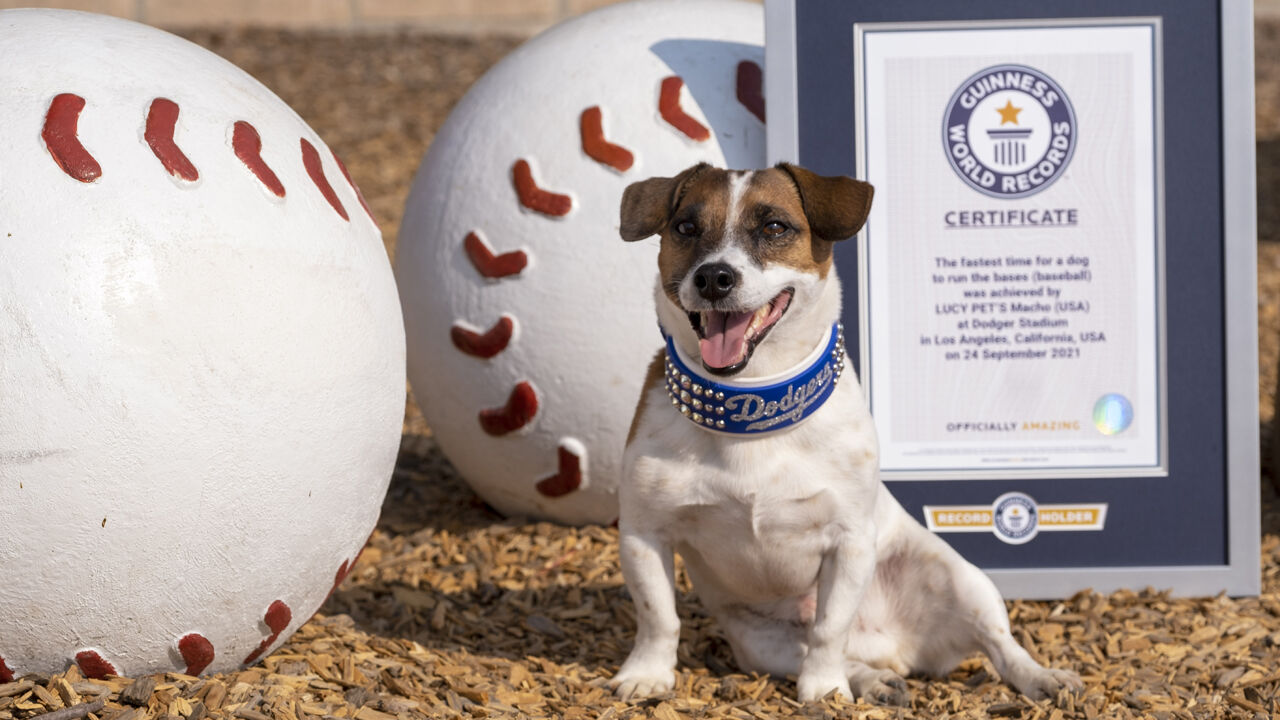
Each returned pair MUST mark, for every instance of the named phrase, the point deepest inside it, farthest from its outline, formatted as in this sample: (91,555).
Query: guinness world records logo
(1015,518)
(1009,131)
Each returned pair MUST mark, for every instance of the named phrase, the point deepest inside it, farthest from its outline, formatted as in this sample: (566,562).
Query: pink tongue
(725,338)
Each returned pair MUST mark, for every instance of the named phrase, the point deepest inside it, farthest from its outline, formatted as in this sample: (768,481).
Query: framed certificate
(1055,291)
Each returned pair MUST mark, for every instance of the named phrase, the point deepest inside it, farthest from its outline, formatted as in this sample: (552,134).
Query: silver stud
(720,410)
(719,395)
(710,422)
(697,417)
(684,409)
(685,397)
(697,404)
(719,424)
(697,389)
(675,402)
(685,381)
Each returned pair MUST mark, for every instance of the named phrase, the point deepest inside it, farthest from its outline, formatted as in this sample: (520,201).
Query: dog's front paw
(642,677)
(811,686)
(883,687)
(1042,682)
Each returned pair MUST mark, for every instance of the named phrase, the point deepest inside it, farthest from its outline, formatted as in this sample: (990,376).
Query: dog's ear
(836,206)
(648,204)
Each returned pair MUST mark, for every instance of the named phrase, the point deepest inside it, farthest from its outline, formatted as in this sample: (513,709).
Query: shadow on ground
(449,572)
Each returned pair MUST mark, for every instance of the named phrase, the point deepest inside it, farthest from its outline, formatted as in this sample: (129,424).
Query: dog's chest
(767,538)
(760,513)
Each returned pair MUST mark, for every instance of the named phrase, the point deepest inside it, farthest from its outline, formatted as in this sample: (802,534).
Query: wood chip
(15,688)
(138,693)
(66,692)
(74,712)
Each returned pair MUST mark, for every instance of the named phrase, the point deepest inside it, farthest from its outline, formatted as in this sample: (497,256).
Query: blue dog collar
(756,407)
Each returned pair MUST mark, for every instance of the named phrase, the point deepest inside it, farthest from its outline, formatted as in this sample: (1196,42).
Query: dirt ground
(453,611)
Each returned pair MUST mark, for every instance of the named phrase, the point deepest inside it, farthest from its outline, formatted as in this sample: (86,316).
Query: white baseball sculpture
(530,323)
(201,356)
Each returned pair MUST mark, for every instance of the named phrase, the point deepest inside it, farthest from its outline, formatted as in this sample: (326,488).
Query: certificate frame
(1208,46)
(1067,465)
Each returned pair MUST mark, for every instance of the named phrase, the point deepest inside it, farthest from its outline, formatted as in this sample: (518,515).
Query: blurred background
(516,17)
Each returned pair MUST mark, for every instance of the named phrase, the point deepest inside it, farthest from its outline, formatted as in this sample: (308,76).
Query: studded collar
(755,407)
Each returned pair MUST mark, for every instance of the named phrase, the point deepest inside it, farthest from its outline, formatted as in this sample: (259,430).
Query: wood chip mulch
(455,612)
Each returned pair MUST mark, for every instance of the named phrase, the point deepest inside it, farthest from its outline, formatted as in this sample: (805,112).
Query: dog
(774,501)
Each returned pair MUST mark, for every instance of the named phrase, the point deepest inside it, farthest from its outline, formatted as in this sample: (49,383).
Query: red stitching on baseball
(751,88)
(597,147)
(248,147)
(521,406)
(669,108)
(490,265)
(311,161)
(161,120)
(567,478)
(534,197)
(60,136)
(352,183)
(93,666)
(343,570)
(6,674)
(486,344)
(277,618)
(197,652)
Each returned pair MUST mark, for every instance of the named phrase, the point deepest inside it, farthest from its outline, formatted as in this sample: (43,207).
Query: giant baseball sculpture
(201,356)
(527,346)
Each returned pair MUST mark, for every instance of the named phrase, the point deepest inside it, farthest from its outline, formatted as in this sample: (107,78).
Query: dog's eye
(774,228)
(686,228)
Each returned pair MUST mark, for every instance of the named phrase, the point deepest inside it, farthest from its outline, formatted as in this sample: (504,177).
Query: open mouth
(726,339)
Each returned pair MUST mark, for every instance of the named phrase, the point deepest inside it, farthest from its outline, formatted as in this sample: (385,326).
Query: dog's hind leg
(980,603)
(877,685)
(777,647)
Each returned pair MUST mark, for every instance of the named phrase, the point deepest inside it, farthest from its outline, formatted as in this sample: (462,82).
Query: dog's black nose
(715,280)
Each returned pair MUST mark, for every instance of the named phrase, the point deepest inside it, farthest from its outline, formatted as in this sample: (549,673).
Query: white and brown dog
(774,501)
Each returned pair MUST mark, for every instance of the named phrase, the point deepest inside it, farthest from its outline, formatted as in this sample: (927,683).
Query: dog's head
(742,251)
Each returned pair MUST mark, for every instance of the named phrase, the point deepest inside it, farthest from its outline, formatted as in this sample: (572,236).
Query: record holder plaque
(1055,293)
